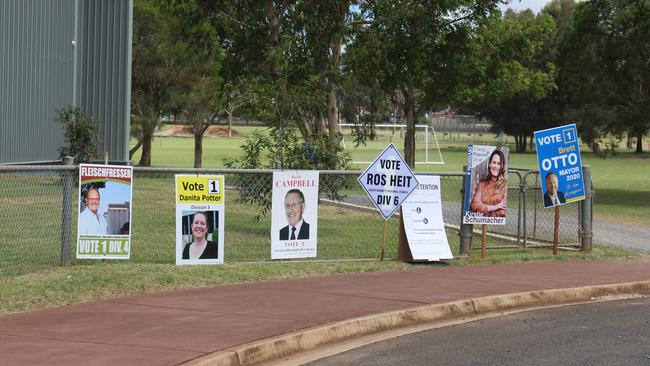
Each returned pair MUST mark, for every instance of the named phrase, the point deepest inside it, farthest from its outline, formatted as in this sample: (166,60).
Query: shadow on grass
(621,197)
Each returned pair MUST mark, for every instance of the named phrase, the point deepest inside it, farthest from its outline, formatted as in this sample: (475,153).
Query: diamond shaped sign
(388,181)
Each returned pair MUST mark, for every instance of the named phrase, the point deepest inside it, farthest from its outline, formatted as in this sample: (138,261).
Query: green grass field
(621,181)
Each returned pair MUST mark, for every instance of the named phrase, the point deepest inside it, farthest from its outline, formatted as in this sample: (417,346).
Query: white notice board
(423,221)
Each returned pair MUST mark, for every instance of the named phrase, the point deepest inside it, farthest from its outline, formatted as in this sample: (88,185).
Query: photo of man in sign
(294,207)
(553,197)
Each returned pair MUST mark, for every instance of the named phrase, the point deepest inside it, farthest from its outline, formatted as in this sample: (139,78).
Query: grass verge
(107,280)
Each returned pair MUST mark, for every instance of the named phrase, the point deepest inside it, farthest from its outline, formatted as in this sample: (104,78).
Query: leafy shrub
(81,139)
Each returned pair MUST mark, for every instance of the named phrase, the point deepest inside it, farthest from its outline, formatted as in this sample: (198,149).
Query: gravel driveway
(627,236)
(605,232)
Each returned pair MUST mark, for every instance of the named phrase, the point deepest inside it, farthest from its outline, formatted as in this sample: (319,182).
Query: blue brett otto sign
(560,166)
(388,181)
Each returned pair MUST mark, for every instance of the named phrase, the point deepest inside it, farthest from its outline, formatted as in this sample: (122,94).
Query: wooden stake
(383,242)
(105,157)
(484,242)
(556,229)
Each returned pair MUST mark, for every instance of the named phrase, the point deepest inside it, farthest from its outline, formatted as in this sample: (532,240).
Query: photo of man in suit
(553,197)
(294,207)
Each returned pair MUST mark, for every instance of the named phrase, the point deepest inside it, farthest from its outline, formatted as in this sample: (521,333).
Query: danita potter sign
(200,219)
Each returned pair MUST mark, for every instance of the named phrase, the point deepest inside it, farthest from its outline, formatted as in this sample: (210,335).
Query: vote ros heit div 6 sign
(388,181)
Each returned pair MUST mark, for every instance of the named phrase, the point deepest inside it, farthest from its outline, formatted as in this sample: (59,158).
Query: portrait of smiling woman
(200,247)
(491,195)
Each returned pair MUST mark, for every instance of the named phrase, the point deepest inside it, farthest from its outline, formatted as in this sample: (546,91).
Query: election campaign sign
(104,224)
(199,219)
(388,181)
(294,219)
(560,166)
(423,222)
(486,186)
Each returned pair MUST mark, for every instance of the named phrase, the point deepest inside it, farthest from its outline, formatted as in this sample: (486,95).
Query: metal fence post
(66,214)
(465,229)
(521,207)
(524,217)
(586,209)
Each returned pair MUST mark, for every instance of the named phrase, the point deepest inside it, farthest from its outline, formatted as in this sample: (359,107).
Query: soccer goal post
(426,142)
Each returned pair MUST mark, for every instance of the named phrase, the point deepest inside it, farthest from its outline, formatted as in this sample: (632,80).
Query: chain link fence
(34,205)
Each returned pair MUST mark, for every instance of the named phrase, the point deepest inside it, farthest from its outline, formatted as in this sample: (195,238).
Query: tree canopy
(300,66)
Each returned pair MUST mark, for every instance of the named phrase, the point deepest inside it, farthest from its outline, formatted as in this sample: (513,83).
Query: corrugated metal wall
(39,65)
(104,82)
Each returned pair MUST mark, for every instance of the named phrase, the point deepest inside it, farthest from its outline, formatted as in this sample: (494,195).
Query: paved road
(171,328)
(609,333)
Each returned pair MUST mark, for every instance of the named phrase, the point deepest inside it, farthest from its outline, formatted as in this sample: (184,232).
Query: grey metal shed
(56,53)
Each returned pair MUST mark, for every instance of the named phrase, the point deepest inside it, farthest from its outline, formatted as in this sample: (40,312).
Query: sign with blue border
(388,181)
(560,165)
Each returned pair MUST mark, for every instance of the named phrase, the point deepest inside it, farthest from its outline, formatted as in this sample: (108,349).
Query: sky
(518,5)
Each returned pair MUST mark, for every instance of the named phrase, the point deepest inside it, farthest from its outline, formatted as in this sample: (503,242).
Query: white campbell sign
(388,181)
(294,220)
(423,221)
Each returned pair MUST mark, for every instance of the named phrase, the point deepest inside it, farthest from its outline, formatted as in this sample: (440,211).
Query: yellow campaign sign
(201,189)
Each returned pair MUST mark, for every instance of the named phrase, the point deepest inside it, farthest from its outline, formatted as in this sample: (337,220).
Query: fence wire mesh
(33,200)
(31,206)
(540,221)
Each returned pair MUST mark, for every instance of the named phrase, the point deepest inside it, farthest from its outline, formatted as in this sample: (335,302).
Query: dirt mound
(186,131)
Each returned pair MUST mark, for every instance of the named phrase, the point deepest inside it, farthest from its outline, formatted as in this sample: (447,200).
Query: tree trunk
(145,159)
(639,143)
(332,115)
(198,148)
(629,141)
(409,138)
(332,106)
(517,143)
(135,149)
(229,124)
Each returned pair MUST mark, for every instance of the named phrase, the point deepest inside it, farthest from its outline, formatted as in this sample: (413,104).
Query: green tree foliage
(81,139)
(154,70)
(266,151)
(196,95)
(414,52)
(175,69)
(513,74)
(607,68)
(278,58)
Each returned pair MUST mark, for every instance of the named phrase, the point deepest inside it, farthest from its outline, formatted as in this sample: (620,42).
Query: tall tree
(153,68)
(512,74)
(414,51)
(607,65)
(162,62)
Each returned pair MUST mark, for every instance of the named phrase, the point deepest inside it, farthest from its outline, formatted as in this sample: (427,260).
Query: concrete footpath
(249,323)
